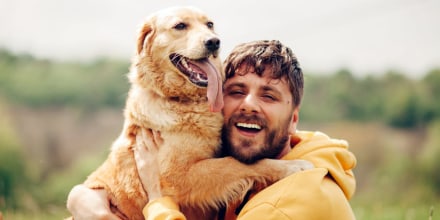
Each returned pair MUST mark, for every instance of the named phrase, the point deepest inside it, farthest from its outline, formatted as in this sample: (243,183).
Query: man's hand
(145,154)
(294,166)
(85,203)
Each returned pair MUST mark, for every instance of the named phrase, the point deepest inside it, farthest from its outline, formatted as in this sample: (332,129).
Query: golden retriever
(176,89)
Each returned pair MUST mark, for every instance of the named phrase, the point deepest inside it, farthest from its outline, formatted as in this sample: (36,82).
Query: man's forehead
(252,78)
(245,69)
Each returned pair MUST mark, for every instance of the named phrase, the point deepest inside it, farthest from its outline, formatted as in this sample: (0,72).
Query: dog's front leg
(218,181)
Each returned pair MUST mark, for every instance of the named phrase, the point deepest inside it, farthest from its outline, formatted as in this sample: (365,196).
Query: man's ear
(294,122)
(145,33)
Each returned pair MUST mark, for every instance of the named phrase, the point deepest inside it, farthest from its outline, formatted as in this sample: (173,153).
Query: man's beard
(274,142)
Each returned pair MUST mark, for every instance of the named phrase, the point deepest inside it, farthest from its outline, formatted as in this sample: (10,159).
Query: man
(262,96)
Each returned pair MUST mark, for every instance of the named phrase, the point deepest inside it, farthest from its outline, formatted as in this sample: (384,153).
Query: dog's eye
(180,26)
(210,24)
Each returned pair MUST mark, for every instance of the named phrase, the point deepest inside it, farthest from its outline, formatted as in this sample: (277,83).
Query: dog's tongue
(215,90)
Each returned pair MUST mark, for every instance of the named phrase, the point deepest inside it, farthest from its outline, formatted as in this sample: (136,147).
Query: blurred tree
(428,160)
(392,98)
(431,95)
(401,101)
(404,110)
(41,83)
(13,177)
(371,100)
(316,104)
(349,95)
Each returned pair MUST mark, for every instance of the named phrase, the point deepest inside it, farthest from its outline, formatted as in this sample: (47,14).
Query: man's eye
(235,92)
(180,26)
(269,97)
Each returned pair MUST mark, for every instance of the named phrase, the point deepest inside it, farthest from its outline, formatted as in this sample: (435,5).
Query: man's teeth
(245,125)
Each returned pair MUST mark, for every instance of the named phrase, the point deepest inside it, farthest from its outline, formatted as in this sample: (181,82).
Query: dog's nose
(212,44)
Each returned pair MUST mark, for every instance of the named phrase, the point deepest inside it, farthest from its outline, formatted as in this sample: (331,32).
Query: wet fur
(162,99)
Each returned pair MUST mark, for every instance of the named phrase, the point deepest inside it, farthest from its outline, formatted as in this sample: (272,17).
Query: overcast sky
(365,36)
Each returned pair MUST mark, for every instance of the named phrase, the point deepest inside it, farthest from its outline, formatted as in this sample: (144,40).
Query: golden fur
(162,98)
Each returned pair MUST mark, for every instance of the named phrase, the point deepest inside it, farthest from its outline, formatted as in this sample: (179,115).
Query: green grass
(378,211)
(53,213)
(373,211)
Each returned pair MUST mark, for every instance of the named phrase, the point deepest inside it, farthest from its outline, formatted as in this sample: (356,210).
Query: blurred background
(372,77)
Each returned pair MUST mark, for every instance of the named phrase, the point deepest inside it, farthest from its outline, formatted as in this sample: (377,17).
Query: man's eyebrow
(236,84)
(270,89)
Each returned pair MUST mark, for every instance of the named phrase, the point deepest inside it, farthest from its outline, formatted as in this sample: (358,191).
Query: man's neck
(285,151)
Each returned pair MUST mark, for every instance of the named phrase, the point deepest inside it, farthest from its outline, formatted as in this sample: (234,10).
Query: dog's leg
(218,181)
(119,177)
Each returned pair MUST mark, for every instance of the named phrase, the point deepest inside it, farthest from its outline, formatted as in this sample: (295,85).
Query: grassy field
(420,212)
(371,211)
(390,184)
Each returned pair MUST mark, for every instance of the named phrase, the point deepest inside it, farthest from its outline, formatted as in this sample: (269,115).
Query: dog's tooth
(200,78)
(185,64)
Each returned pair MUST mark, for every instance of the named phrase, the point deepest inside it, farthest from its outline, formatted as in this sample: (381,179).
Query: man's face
(258,116)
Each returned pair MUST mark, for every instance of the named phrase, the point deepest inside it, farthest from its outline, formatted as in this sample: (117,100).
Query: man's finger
(85,203)
(157,138)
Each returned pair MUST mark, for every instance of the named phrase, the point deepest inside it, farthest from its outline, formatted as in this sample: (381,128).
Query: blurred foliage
(400,102)
(13,178)
(405,185)
(391,97)
(429,163)
(23,194)
(29,81)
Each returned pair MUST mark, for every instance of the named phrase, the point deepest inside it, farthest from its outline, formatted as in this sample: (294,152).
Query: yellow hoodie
(319,193)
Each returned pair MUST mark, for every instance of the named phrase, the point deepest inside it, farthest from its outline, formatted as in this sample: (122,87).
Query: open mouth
(248,127)
(195,70)
(203,73)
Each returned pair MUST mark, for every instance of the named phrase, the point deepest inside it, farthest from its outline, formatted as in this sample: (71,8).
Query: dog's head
(177,56)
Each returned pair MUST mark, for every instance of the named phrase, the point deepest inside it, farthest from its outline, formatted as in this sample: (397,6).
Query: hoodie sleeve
(331,154)
(163,208)
(319,193)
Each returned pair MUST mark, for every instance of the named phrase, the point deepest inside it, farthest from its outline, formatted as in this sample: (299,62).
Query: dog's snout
(212,44)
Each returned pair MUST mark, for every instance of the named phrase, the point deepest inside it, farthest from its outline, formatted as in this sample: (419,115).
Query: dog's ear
(145,32)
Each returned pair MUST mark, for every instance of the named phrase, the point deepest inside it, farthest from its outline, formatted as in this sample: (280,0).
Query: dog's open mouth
(203,73)
(196,70)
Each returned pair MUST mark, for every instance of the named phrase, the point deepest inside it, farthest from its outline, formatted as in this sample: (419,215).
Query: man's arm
(310,194)
(331,154)
(163,208)
(158,207)
(85,203)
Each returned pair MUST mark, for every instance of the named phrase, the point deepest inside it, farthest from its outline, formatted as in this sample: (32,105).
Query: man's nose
(250,104)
